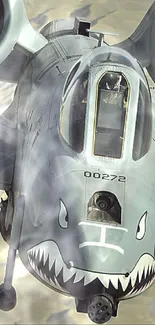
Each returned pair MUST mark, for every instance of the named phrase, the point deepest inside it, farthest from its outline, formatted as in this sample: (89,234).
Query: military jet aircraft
(77,155)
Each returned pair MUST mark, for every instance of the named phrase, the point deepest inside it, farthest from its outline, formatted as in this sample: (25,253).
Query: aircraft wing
(141,44)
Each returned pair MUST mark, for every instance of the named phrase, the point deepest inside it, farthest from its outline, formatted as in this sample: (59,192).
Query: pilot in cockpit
(114,82)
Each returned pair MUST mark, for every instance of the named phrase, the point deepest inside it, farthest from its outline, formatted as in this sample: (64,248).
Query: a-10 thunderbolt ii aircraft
(77,157)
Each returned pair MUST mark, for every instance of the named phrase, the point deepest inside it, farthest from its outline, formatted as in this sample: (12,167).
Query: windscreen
(112,103)
(110,109)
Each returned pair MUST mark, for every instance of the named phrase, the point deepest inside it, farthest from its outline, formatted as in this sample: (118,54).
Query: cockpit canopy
(111,109)
(112,105)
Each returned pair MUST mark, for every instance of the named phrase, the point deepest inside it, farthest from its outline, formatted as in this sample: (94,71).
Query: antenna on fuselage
(101,35)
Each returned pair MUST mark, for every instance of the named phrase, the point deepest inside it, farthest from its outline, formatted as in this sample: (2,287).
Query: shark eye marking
(63,216)
(141,228)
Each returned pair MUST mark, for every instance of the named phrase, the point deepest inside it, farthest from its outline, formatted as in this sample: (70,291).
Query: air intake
(20,31)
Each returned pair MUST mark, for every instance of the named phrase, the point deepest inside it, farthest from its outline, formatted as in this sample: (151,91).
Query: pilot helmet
(111,80)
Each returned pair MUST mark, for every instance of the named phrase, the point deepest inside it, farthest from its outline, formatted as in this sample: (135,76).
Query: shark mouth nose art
(46,261)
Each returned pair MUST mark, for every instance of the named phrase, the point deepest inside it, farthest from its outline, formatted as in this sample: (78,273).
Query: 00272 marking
(105,177)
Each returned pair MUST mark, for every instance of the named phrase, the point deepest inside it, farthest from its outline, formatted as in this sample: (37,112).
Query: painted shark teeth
(39,272)
(58,266)
(46,278)
(46,257)
(105,280)
(125,284)
(51,282)
(114,282)
(51,261)
(150,268)
(89,277)
(78,276)
(57,284)
(68,273)
(32,264)
(146,270)
(140,273)
(133,279)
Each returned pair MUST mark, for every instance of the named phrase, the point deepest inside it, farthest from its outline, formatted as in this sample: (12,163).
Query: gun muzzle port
(100,309)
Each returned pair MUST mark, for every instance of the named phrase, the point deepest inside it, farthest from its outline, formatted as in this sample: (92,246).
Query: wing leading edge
(141,44)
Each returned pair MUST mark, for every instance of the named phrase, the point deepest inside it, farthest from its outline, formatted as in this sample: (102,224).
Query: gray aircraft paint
(57,243)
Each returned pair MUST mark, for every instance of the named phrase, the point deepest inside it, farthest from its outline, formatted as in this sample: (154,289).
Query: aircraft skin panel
(37,119)
(12,66)
(77,210)
(57,28)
